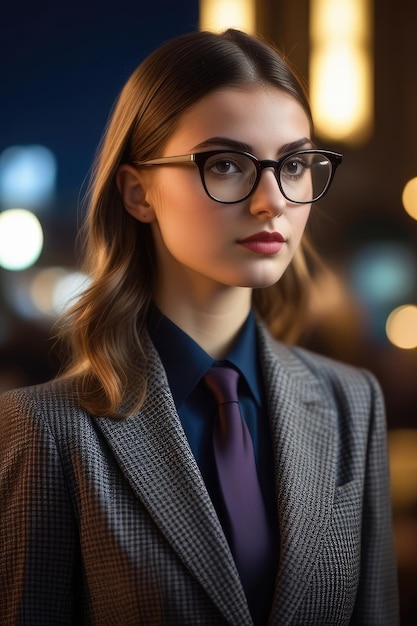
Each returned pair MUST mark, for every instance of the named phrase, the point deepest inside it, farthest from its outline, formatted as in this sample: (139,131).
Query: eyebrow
(296,145)
(304,142)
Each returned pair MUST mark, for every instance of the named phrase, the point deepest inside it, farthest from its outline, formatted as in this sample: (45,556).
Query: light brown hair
(107,326)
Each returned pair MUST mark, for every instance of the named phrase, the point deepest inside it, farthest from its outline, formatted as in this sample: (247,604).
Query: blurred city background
(62,66)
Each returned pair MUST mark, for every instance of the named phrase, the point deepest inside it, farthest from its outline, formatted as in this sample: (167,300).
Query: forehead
(264,117)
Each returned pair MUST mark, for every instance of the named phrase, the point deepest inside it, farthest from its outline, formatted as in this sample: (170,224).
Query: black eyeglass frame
(200,158)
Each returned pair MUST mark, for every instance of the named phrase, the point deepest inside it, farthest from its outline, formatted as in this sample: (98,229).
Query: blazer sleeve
(38,536)
(377,597)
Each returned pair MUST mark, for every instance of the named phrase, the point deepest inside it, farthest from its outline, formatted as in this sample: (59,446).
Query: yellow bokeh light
(339,19)
(340,89)
(409,198)
(341,69)
(21,239)
(403,466)
(401,327)
(219,15)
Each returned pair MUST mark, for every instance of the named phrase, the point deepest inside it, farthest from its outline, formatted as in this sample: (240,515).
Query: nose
(267,199)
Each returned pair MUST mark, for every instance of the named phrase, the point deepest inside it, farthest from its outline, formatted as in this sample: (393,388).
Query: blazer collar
(153,452)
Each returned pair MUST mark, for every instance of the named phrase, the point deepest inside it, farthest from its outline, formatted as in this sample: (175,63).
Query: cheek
(182,207)
(184,224)
(177,185)
(299,223)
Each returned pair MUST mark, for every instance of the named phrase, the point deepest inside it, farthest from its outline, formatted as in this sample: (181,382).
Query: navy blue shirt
(185,363)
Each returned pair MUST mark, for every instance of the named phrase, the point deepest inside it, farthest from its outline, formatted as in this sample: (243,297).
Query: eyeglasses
(230,176)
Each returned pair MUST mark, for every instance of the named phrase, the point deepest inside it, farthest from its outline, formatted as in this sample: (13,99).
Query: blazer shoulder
(53,402)
(301,361)
(338,382)
(52,391)
(347,385)
(332,370)
(329,367)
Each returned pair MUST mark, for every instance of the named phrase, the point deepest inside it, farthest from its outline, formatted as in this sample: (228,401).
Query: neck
(212,319)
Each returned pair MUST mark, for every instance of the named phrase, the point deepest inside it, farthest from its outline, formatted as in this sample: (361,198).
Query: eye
(226,167)
(294,167)
(224,164)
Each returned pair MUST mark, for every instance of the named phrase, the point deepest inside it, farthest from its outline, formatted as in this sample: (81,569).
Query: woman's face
(203,244)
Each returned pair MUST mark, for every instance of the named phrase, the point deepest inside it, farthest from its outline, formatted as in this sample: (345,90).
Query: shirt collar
(170,341)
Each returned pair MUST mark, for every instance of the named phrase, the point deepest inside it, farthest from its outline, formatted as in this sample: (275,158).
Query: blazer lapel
(154,454)
(304,441)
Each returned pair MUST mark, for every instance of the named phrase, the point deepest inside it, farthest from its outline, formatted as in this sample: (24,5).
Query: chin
(259,284)
(253,278)
(262,275)
(266,280)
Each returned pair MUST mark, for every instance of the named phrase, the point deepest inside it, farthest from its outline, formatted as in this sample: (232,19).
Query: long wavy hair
(106,328)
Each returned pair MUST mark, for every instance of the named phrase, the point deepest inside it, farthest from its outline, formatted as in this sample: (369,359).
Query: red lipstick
(264,242)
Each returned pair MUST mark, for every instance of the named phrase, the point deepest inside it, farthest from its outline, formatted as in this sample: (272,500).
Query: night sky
(62,66)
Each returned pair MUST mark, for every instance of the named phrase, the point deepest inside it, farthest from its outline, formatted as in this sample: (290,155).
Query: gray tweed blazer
(108,522)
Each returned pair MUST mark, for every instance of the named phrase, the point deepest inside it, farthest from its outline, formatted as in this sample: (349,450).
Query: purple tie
(238,479)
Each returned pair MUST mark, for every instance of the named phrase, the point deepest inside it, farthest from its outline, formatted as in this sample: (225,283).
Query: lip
(263,242)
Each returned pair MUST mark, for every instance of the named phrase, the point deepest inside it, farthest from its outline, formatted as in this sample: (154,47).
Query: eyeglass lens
(230,176)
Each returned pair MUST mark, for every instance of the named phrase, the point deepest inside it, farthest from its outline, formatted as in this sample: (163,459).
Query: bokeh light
(383,273)
(401,327)
(68,289)
(221,14)
(27,177)
(42,289)
(55,288)
(21,239)
(403,466)
(43,293)
(409,198)
(341,69)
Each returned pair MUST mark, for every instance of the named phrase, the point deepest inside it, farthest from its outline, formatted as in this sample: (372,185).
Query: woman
(117,507)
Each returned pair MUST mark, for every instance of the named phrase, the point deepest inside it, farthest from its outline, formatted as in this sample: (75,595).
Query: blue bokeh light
(383,274)
(27,177)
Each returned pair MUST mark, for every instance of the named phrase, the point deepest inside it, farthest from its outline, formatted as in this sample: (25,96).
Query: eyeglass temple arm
(184,158)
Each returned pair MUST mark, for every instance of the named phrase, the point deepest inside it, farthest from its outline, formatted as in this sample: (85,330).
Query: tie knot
(222,382)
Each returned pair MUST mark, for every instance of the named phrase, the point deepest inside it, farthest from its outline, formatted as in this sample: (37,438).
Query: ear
(133,191)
